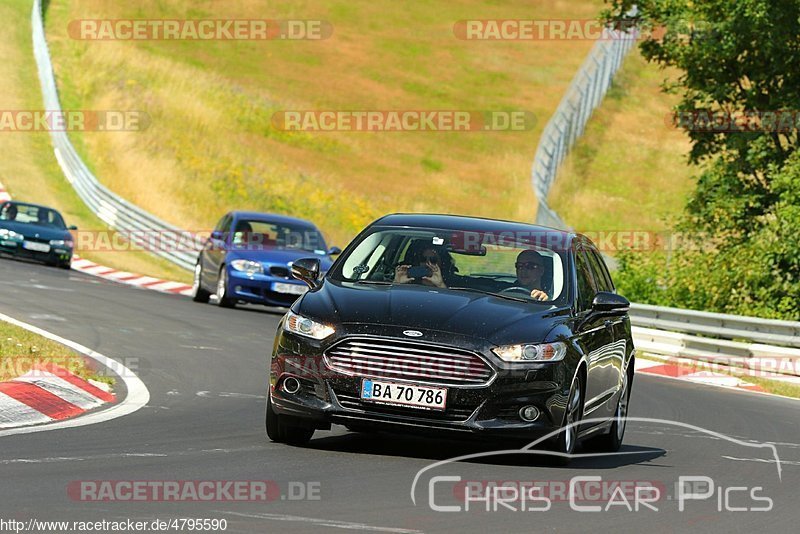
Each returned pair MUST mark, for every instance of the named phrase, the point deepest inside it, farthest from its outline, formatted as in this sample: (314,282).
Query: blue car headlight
(9,234)
(248,266)
(303,326)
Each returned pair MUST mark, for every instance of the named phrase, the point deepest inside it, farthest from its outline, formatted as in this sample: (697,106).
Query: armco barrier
(567,124)
(108,206)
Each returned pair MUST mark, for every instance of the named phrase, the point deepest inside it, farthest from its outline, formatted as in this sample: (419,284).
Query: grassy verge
(28,168)
(211,146)
(776,387)
(628,172)
(20,349)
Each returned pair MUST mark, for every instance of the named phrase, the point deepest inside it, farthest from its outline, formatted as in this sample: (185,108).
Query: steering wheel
(517,289)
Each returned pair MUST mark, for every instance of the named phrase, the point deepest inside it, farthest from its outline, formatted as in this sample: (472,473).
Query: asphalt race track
(206,371)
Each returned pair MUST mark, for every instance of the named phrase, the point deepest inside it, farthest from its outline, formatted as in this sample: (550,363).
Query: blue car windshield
(257,235)
(28,214)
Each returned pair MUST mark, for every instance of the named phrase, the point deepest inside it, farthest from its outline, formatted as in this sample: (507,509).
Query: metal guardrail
(733,340)
(112,209)
(736,327)
(567,124)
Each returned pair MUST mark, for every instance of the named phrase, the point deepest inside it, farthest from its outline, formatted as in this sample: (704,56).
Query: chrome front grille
(414,361)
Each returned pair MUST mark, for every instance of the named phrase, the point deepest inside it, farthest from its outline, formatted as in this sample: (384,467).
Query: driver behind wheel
(531,268)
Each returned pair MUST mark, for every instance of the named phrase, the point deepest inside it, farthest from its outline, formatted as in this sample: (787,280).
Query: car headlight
(543,352)
(62,243)
(303,326)
(8,234)
(248,266)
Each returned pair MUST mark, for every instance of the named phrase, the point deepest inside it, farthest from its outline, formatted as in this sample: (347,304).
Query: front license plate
(36,247)
(292,289)
(403,394)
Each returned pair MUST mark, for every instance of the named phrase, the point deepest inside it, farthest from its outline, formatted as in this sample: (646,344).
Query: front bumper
(492,410)
(56,254)
(260,288)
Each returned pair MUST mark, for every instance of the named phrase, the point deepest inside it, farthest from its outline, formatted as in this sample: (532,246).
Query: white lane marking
(48,317)
(57,459)
(61,388)
(761,460)
(14,413)
(79,458)
(137,396)
(198,347)
(333,523)
(225,394)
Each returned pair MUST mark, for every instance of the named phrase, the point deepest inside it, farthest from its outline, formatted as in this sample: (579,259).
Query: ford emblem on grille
(412,333)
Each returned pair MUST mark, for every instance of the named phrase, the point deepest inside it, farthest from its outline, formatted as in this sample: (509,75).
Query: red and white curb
(48,393)
(137,280)
(50,398)
(692,374)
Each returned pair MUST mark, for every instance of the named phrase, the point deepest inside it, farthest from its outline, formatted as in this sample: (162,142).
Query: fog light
(291,385)
(529,413)
(238,289)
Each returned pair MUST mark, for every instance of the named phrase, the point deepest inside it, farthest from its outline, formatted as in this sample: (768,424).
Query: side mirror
(334,251)
(73,227)
(216,235)
(607,302)
(307,270)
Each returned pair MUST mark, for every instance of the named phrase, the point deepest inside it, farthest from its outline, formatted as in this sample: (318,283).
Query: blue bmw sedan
(249,255)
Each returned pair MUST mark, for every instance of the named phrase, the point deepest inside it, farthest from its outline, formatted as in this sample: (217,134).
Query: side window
(600,271)
(586,285)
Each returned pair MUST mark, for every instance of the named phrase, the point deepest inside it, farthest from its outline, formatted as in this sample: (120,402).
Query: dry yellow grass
(629,171)
(28,168)
(210,147)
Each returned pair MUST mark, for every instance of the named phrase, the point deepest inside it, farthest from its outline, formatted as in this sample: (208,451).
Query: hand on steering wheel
(535,294)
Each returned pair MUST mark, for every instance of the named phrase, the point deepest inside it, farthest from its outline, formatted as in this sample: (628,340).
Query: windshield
(27,214)
(258,234)
(504,265)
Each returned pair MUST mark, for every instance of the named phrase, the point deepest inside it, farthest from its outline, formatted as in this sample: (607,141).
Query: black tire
(568,440)
(612,441)
(67,265)
(222,290)
(286,429)
(200,294)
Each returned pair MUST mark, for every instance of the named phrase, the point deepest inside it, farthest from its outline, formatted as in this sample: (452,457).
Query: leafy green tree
(735,58)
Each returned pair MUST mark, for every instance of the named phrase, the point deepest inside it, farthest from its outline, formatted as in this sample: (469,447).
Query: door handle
(608,323)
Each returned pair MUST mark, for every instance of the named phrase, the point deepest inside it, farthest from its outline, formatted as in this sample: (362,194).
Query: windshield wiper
(509,297)
(373,282)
